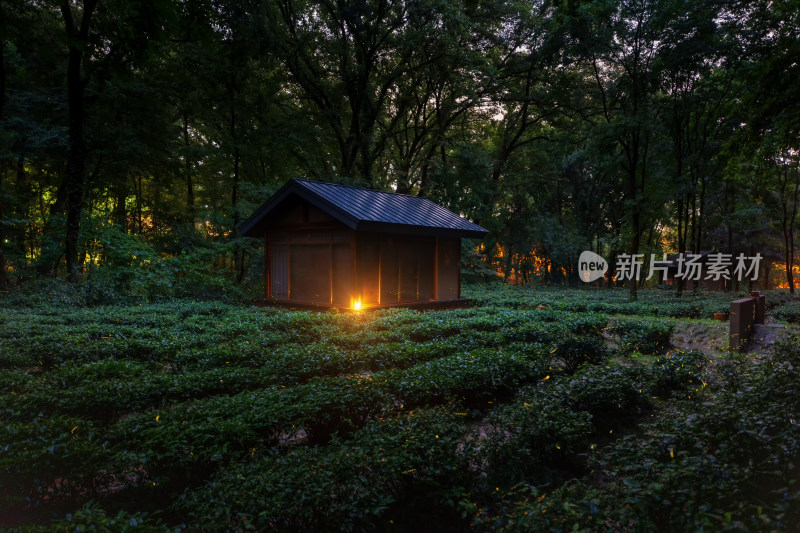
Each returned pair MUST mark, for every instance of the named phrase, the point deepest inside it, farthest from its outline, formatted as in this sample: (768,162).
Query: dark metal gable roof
(367,210)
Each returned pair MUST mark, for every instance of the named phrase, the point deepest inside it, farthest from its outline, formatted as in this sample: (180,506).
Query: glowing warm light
(357,304)
(780,270)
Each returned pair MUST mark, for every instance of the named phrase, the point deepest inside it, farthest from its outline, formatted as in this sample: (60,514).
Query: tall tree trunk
(24,198)
(238,253)
(730,207)
(699,222)
(187,168)
(50,252)
(3,276)
(139,193)
(681,242)
(790,259)
(788,217)
(631,196)
(636,225)
(75,177)
(119,214)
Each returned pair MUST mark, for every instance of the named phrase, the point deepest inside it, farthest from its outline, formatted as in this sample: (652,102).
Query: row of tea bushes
(403,469)
(651,302)
(432,467)
(637,335)
(185,333)
(721,461)
(222,462)
(186,440)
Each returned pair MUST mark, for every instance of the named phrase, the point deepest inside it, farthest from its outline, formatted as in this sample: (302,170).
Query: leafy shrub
(212,400)
(399,469)
(643,336)
(92,517)
(613,395)
(49,457)
(575,351)
(677,371)
(191,439)
(475,377)
(788,312)
(723,463)
(533,440)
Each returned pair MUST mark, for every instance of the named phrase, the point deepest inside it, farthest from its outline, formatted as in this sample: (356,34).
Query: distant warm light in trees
(780,269)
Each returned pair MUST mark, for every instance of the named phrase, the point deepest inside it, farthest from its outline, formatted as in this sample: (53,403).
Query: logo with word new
(687,266)
(591,266)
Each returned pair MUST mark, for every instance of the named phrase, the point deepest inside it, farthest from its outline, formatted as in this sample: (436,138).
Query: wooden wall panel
(368,266)
(449,269)
(309,273)
(390,272)
(279,271)
(342,290)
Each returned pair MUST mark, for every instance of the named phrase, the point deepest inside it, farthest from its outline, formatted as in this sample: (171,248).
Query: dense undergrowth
(215,416)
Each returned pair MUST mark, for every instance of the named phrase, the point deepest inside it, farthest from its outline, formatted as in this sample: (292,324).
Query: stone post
(742,315)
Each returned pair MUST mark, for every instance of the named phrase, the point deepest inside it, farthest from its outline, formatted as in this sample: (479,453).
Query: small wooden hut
(334,245)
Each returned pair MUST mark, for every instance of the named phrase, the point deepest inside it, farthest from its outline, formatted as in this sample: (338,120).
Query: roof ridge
(368,190)
(369,210)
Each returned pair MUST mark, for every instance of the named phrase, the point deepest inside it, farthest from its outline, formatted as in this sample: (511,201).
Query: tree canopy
(135,137)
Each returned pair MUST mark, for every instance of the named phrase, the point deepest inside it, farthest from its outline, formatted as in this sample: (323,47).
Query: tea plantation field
(207,416)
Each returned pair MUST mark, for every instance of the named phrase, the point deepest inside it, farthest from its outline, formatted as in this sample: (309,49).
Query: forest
(136,136)
(147,386)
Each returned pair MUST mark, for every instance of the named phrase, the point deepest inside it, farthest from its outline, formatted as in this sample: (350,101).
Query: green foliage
(578,350)
(717,463)
(788,312)
(92,517)
(642,336)
(535,440)
(474,377)
(49,457)
(614,396)
(185,412)
(650,303)
(679,371)
(404,466)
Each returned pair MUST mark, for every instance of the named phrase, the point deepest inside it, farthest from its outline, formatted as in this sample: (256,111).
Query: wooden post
(289,270)
(399,271)
(741,328)
(436,269)
(267,267)
(417,298)
(760,307)
(355,290)
(458,268)
(379,272)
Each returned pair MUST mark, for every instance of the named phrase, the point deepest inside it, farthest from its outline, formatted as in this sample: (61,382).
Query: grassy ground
(591,415)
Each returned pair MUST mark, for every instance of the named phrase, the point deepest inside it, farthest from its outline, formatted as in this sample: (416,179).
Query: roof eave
(249,227)
(409,229)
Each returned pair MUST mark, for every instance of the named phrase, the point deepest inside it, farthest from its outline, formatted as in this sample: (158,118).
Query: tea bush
(49,458)
(718,461)
(787,312)
(575,351)
(535,441)
(92,517)
(395,469)
(474,377)
(643,336)
(172,415)
(679,371)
